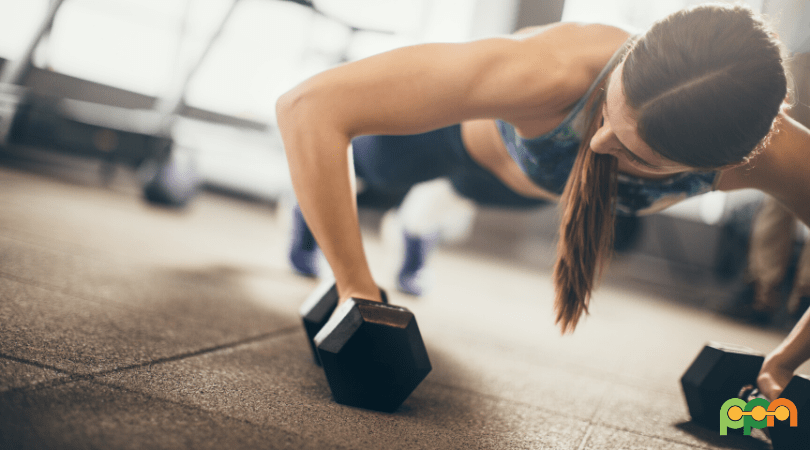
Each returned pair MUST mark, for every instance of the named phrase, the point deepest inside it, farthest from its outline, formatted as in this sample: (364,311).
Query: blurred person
(587,115)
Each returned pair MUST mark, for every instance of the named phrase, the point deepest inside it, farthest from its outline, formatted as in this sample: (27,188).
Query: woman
(583,113)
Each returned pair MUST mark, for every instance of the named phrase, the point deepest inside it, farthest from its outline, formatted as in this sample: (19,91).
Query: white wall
(267,46)
(791,18)
(632,14)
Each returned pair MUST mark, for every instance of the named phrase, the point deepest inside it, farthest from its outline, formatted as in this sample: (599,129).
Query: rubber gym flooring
(128,326)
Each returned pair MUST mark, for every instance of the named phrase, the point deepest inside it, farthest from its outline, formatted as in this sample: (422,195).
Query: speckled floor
(128,326)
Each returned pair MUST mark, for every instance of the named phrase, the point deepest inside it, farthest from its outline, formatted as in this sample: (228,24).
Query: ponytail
(586,229)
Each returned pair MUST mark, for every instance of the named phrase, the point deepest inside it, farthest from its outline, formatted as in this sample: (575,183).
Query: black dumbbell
(783,436)
(721,372)
(372,353)
(318,308)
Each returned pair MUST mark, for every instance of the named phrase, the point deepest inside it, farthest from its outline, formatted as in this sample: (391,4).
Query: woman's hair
(705,84)
(586,228)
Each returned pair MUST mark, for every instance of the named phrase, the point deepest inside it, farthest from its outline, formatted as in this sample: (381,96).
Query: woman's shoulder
(575,31)
(786,153)
(584,45)
(573,54)
(780,169)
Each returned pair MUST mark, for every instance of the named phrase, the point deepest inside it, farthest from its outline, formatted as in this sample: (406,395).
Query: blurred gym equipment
(140,139)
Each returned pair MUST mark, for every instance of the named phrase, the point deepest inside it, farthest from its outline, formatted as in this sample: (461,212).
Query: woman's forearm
(323,180)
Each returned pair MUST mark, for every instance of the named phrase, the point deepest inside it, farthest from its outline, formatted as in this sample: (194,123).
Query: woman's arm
(780,364)
(405,91)
(783,171)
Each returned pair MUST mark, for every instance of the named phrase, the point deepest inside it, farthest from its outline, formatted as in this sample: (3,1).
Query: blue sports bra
(548,160)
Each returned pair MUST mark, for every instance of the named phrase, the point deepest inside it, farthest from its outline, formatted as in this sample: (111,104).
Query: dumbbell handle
(750,392)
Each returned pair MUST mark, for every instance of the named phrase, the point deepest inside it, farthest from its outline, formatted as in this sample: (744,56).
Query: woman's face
(618,135)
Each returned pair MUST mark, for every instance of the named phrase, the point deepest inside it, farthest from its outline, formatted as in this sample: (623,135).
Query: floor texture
(128,326)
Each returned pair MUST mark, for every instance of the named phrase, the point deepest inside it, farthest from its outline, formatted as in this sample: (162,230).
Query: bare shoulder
(576,33)
(574,53)
(581,45)
(782,169)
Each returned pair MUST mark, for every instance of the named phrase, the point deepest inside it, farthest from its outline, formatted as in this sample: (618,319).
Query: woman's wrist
(360,287)
(795,349)
(780,359)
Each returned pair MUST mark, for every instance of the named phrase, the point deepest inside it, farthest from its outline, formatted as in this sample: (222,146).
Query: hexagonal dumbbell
(372,353)
(318,308)
(719,373)
(783,436)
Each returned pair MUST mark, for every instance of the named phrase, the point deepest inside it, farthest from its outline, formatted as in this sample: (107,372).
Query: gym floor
(128,326)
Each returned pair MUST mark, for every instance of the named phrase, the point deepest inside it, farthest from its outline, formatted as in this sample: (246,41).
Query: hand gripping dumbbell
(721,372)
(318,308)
(372,353)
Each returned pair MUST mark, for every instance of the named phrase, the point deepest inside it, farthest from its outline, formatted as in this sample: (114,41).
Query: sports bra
(548,159)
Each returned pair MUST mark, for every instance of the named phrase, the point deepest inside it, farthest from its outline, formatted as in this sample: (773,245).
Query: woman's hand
(773,377)
(779,365)
(373,295)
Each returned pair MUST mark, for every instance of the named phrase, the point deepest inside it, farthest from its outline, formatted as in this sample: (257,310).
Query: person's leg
(386,168)
(431,213)
(443,210)
(303,252)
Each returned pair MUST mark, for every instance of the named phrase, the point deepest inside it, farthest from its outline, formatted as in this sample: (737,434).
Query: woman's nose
(603,141)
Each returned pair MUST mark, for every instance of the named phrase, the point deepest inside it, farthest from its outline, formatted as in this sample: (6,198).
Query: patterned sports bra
(548,160)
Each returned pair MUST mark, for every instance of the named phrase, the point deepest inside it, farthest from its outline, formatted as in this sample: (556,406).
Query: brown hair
(586,229)
(706,84)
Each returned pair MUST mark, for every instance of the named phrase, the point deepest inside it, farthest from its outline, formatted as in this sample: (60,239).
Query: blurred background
(179,96)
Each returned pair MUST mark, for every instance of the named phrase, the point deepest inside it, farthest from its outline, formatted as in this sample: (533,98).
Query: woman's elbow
(286,106)
(304,105)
